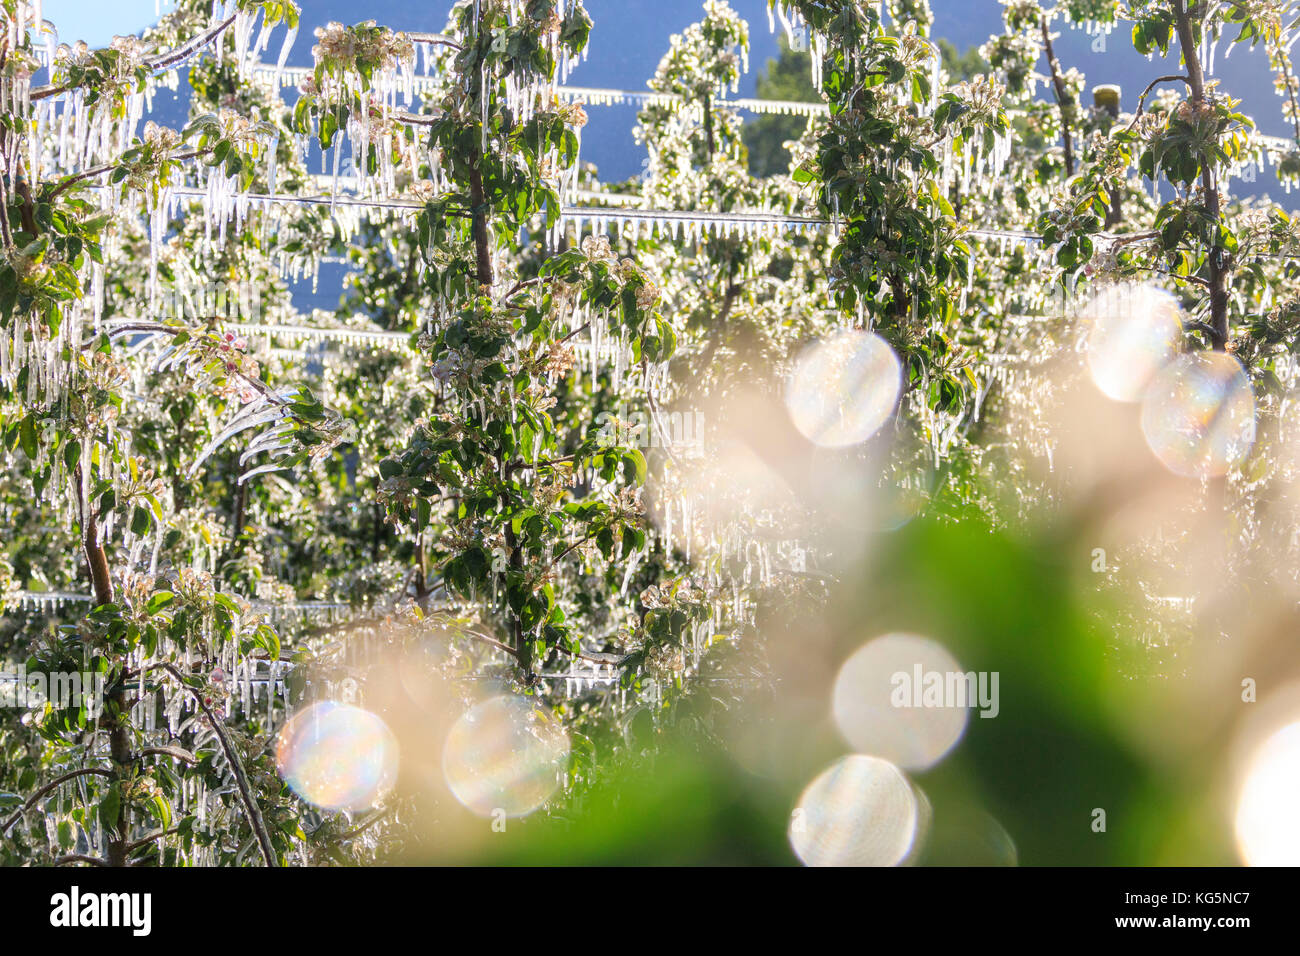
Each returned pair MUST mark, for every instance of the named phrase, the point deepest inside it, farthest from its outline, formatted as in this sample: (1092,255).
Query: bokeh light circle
(1133,334)
(966,836)
(843,388)
(505,755)
(869,489)
(336,756)
(894,669)
(1268,804)
(861,811)
(1198,415)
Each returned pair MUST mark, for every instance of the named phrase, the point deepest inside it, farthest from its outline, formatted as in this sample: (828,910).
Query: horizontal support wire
(349,335)
(606,96)
(593,214)
(280,77)
(591,95)
(39,598)
(373,336)
(28,600)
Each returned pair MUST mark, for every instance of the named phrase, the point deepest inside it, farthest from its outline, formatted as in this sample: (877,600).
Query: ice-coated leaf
(259,470)
(241,423)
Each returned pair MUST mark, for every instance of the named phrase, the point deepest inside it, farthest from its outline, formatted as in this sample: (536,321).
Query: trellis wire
(758,221)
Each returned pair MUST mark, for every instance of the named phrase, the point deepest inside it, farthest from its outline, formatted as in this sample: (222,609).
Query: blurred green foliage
(1058,750)
(784,78)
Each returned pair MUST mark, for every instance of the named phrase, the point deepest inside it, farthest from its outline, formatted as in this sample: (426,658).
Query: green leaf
(140,520)
(268,641)
(634,457)
(162,810)
(27,436)
(110,806)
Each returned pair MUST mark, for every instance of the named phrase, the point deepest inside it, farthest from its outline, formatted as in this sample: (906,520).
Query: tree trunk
(482,239)
(708,126)
(479,208)
(241,505)
(1217,259)
(1058,84)
(115,709)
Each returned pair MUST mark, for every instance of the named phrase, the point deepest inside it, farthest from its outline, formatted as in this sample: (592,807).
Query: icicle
(285,47)
(484,97)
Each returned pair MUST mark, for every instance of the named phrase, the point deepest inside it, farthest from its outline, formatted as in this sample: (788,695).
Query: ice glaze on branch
(155,64)
(236,768)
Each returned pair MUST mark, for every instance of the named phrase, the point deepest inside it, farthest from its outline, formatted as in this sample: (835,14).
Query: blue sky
(630,36)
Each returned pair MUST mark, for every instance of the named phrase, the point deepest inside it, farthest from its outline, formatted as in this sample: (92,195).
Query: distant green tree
(961,66)
(787,78)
